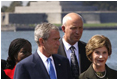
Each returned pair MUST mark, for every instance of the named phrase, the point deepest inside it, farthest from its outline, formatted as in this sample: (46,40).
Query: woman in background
(98,49)
(18,50)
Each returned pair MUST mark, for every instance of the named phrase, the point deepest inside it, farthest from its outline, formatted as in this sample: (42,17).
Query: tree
(13,5)
(28,4)
(4,8)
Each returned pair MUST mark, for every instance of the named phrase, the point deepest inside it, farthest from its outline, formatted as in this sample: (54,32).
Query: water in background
(7,37)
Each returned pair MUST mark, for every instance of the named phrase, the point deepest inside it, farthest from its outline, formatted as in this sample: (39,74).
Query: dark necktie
(74,64)
(51,69)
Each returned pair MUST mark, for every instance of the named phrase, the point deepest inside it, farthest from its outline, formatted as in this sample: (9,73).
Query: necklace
(100,74)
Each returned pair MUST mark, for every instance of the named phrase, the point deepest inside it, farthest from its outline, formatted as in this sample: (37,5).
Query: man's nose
(58,42)
(77,31)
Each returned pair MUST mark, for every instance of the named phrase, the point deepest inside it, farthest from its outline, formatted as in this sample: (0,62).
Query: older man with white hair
(71,46)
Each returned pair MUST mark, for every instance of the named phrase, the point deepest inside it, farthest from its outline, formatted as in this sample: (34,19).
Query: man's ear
(63,28)
(41,41)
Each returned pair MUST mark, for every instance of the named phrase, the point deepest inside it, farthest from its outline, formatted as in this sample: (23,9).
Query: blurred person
(3,64)
(19,49)
(98,49)
(45,63)
(71,46)
(3,75)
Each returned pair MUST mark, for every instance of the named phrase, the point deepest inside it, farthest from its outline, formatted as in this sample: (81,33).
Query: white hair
(65,19)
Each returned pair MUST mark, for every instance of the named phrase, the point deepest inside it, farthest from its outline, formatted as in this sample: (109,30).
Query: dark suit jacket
(32,67)
(84,62)
(90,74)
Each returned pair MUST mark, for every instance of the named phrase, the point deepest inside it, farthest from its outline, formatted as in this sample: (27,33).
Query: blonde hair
(97,41)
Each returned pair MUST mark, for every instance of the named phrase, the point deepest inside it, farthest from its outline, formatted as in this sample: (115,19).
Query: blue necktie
(51,69)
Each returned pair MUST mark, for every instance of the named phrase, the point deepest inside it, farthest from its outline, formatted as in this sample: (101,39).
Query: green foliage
(102,5)
(16,3)
(4,8)
(95,25)
(58,25)
(12,6)
(28,4)
(101,25)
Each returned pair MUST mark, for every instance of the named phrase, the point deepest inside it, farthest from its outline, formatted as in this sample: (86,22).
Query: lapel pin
(59,64)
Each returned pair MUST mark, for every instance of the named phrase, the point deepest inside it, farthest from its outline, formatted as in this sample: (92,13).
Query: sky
(7,3)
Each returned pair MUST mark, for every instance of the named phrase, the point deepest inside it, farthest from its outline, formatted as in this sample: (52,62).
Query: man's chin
(76,40)
(55,52)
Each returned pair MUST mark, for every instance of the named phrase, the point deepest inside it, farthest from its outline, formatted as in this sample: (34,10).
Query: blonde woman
(98,49)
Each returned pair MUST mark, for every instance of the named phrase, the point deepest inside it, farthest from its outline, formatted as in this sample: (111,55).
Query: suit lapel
(80,50)
(79,54)
(90,73)
(61,49)
(39,67)
(57,66)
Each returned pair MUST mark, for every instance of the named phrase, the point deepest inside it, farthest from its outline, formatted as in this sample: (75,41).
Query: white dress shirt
(44,59)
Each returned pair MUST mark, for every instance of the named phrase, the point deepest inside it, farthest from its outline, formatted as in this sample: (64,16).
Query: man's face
(73,31)
(51,45)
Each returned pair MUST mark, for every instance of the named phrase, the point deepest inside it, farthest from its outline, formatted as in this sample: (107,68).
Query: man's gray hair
(43,30)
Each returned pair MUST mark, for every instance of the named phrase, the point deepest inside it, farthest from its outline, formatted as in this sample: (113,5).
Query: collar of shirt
(67,45)
(44,59)
(68,51)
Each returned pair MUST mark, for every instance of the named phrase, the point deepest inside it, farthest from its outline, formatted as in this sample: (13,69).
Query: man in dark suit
(44,62)
(73,28)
